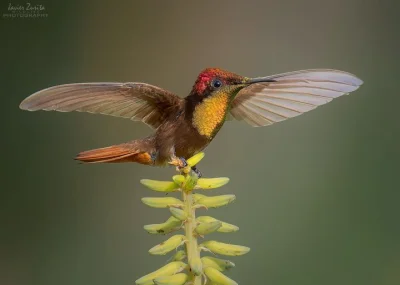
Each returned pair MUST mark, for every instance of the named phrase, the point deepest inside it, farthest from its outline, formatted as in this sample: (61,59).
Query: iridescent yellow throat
(209,115)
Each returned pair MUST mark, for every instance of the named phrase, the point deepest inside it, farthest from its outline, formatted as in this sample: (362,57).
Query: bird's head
(215,81)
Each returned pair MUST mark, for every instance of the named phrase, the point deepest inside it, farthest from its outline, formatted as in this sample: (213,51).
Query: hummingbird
(186,126)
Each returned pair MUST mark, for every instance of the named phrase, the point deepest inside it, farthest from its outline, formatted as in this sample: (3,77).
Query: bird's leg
(179,162)
(182,165)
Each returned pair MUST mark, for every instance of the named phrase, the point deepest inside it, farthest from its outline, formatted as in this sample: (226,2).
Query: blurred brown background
(317,196)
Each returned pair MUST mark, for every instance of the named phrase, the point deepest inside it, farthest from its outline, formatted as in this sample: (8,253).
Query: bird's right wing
(135,101)
(290,94)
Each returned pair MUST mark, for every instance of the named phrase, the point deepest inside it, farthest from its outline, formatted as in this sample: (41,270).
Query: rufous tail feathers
(115,153)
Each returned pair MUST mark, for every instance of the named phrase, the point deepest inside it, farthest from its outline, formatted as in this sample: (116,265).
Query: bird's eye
(216,83)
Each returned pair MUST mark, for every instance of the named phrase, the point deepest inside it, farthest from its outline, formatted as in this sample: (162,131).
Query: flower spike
(198,270)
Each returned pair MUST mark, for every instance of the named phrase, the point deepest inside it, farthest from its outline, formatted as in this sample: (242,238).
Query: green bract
(216,201)
(225,248)
(195,159)
(167,270)
(160,186)
(172,224)
(177,279)
(178,213)
(225,227)
(179,255)
(211,183)
(198,269)
(208,228)
(169,245)
(219,264)
(163,202)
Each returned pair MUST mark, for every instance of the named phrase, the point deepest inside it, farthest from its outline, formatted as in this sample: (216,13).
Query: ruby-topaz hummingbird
(185,126)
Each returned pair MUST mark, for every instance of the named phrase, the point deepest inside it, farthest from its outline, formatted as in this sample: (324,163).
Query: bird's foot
(179,162)
(182,166)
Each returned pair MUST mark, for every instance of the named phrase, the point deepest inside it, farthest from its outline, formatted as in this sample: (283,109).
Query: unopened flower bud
(168,245)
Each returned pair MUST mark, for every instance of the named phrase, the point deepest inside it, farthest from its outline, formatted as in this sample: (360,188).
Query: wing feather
(136,101)
(290,95)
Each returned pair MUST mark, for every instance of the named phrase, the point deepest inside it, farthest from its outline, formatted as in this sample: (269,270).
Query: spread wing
(291,94)
(135,101)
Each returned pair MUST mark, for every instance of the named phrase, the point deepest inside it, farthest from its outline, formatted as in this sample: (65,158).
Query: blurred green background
(317,196)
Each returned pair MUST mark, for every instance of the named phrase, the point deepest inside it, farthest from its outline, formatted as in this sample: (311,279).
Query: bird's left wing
(135,101)
(291,94)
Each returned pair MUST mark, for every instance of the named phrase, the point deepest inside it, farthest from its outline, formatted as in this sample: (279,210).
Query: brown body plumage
(186,126)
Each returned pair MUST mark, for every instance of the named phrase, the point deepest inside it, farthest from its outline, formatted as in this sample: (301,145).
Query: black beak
(258,80)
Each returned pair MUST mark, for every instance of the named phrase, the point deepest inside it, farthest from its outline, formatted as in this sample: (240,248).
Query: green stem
(192,250)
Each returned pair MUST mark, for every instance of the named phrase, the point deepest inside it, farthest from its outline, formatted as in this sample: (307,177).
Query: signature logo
(28,10)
